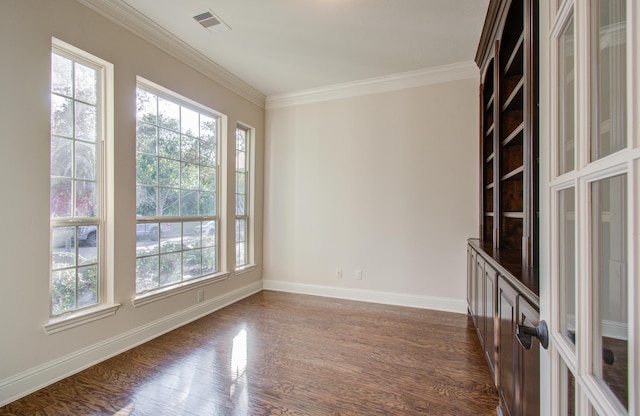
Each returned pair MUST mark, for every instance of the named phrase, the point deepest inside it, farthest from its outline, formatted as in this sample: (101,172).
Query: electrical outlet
(200,295)
(358,274)
(339,273)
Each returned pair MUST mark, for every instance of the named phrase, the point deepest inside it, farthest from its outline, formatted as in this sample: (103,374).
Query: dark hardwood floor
(285,354)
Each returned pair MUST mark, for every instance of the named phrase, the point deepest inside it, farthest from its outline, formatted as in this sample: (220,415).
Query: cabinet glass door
(590,65)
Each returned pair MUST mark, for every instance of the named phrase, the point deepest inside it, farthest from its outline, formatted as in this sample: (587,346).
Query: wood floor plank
(286,354)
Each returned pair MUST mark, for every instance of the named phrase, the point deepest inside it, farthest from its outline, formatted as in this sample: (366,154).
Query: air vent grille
(210,21)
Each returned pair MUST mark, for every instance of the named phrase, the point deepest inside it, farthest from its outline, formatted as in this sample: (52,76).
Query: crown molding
(412,79)
(129,18)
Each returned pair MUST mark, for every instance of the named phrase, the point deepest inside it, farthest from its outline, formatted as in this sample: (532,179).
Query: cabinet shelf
(490,130)
(513,214)
(489,186)
(517,171)
(490,101)
(516,55)
(489,158)
(514,94)
(513,134)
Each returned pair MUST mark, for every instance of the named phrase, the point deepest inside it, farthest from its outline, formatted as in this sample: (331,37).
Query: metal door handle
(525,335)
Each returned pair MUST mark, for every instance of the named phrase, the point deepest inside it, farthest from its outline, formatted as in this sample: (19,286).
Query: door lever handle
(525,335)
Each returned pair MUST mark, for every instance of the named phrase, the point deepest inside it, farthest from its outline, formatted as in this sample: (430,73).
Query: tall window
(242,196)
(176,201)
(77,184)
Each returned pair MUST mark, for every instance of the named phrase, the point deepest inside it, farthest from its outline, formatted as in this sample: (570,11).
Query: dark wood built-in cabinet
(502,261)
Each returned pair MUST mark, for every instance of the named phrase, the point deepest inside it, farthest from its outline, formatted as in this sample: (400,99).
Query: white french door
(590,206)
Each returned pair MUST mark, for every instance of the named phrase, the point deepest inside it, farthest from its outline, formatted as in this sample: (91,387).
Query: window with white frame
(177,193)
(77,178)
(242,196)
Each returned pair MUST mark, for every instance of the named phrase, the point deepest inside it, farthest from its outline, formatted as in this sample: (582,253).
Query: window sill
(163,293)
(82,317)
(245,269)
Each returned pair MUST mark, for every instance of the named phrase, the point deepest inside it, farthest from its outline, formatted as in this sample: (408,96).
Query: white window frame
(247,216)
(105,305)
(162,292)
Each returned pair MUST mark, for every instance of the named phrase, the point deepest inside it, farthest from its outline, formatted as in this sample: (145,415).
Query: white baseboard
(27,382)
(388,298)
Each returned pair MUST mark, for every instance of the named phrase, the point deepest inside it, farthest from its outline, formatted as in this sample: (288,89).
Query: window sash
(183,183)
(76,231)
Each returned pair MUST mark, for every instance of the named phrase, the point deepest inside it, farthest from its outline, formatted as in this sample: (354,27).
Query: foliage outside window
(242,199)
(76,213)
(176,195)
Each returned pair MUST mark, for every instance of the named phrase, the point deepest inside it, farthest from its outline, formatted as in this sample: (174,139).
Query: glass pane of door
(609,274)
(609,105)
(566,89)
(567,262)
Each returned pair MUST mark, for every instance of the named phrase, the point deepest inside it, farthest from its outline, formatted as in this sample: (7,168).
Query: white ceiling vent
(210,21)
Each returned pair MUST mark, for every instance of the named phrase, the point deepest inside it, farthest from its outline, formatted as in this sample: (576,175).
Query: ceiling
(285,46)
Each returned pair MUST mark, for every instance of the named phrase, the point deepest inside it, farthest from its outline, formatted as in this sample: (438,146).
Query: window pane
(64,249)
(207,179)
(610,88)
(88,244)
(61,116)
(86,202)
(146,197)
(61,198)
(241,162)
(207,153)
(567,269)
(86,84)
(87,286)
(61,157)
(566,142)
(169,200)
(86,122)
(169,144)
(191,235)
(168,114)
(61,75)
(240,208)
(240,183)
(609,242)
(146,169)
(188,203)
(189,176)
(208,233)
(169,173)
(189,122)
(147,138)
(208,128)
(207,203)
(147,106)
(209,260)
(85,161)
(189,149)
(147,273)
(170,268)
(63,291)
(192,263)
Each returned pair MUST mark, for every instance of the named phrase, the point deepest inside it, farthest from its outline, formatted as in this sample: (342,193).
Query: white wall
(29,357)
(386,183)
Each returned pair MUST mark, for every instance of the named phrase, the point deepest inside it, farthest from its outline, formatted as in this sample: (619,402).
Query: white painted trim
(129,18)
(412,79)
(166,292)
(387,298)
(80,317)
(19,385)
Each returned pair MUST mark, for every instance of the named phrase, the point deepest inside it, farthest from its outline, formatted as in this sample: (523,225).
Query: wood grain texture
(286,354)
